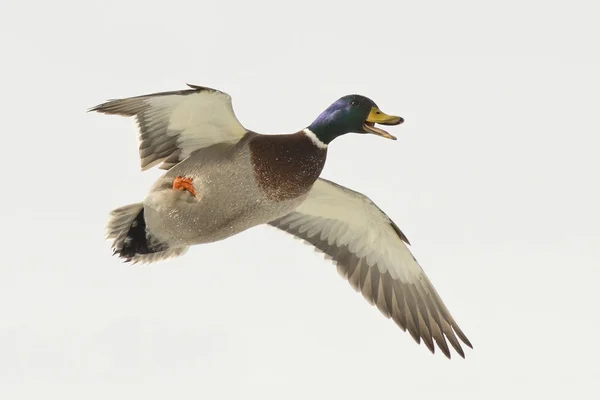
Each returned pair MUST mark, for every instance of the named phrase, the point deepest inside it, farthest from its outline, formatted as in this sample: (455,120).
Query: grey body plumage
(230,195)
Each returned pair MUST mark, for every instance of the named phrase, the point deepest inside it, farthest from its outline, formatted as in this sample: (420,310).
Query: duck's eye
(354,103)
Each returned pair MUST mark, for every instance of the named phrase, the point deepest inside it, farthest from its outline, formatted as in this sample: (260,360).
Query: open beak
(376,116)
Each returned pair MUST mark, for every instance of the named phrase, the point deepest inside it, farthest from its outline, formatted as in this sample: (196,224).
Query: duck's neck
(328,126)
(317,141)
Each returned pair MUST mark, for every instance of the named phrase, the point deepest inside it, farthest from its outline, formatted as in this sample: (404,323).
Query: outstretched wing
(175,124)
(371,253)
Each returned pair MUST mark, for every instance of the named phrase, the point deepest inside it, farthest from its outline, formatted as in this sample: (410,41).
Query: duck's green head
(352,113)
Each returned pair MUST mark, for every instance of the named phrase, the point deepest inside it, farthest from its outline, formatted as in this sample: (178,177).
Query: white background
(494,179)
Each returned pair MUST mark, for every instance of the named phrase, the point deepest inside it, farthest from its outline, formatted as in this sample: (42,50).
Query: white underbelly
(177,218)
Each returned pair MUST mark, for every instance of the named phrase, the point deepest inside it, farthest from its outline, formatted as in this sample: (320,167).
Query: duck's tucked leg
(181,183)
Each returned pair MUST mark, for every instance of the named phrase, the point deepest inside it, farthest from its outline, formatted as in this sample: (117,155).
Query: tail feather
(132,241)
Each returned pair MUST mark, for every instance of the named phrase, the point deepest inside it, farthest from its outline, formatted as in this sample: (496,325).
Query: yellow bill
(376,116)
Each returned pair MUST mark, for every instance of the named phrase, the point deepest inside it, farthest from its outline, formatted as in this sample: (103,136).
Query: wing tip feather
(124,107)
(461,335)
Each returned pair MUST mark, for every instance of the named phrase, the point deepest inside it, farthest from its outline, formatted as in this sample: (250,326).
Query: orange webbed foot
(181,183)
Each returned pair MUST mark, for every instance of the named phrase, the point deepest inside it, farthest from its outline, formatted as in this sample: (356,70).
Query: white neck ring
(311,135)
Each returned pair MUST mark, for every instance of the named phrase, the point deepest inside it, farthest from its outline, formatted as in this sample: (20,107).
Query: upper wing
(175,124)
(370,252)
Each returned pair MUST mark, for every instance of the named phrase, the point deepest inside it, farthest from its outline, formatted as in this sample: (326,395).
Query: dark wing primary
(370,253)
(175,124)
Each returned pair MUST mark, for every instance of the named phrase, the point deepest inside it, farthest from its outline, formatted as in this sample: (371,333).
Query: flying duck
(222,179)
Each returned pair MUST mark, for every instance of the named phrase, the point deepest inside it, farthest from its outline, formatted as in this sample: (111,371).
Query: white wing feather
(175,124)
(371,253)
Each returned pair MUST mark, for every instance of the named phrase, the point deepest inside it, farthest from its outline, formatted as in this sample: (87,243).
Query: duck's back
(257,180)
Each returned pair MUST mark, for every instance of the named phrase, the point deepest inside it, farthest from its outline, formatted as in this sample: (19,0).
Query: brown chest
(286,166)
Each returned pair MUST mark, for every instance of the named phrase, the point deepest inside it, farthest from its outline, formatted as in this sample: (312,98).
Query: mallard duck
(222,179)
